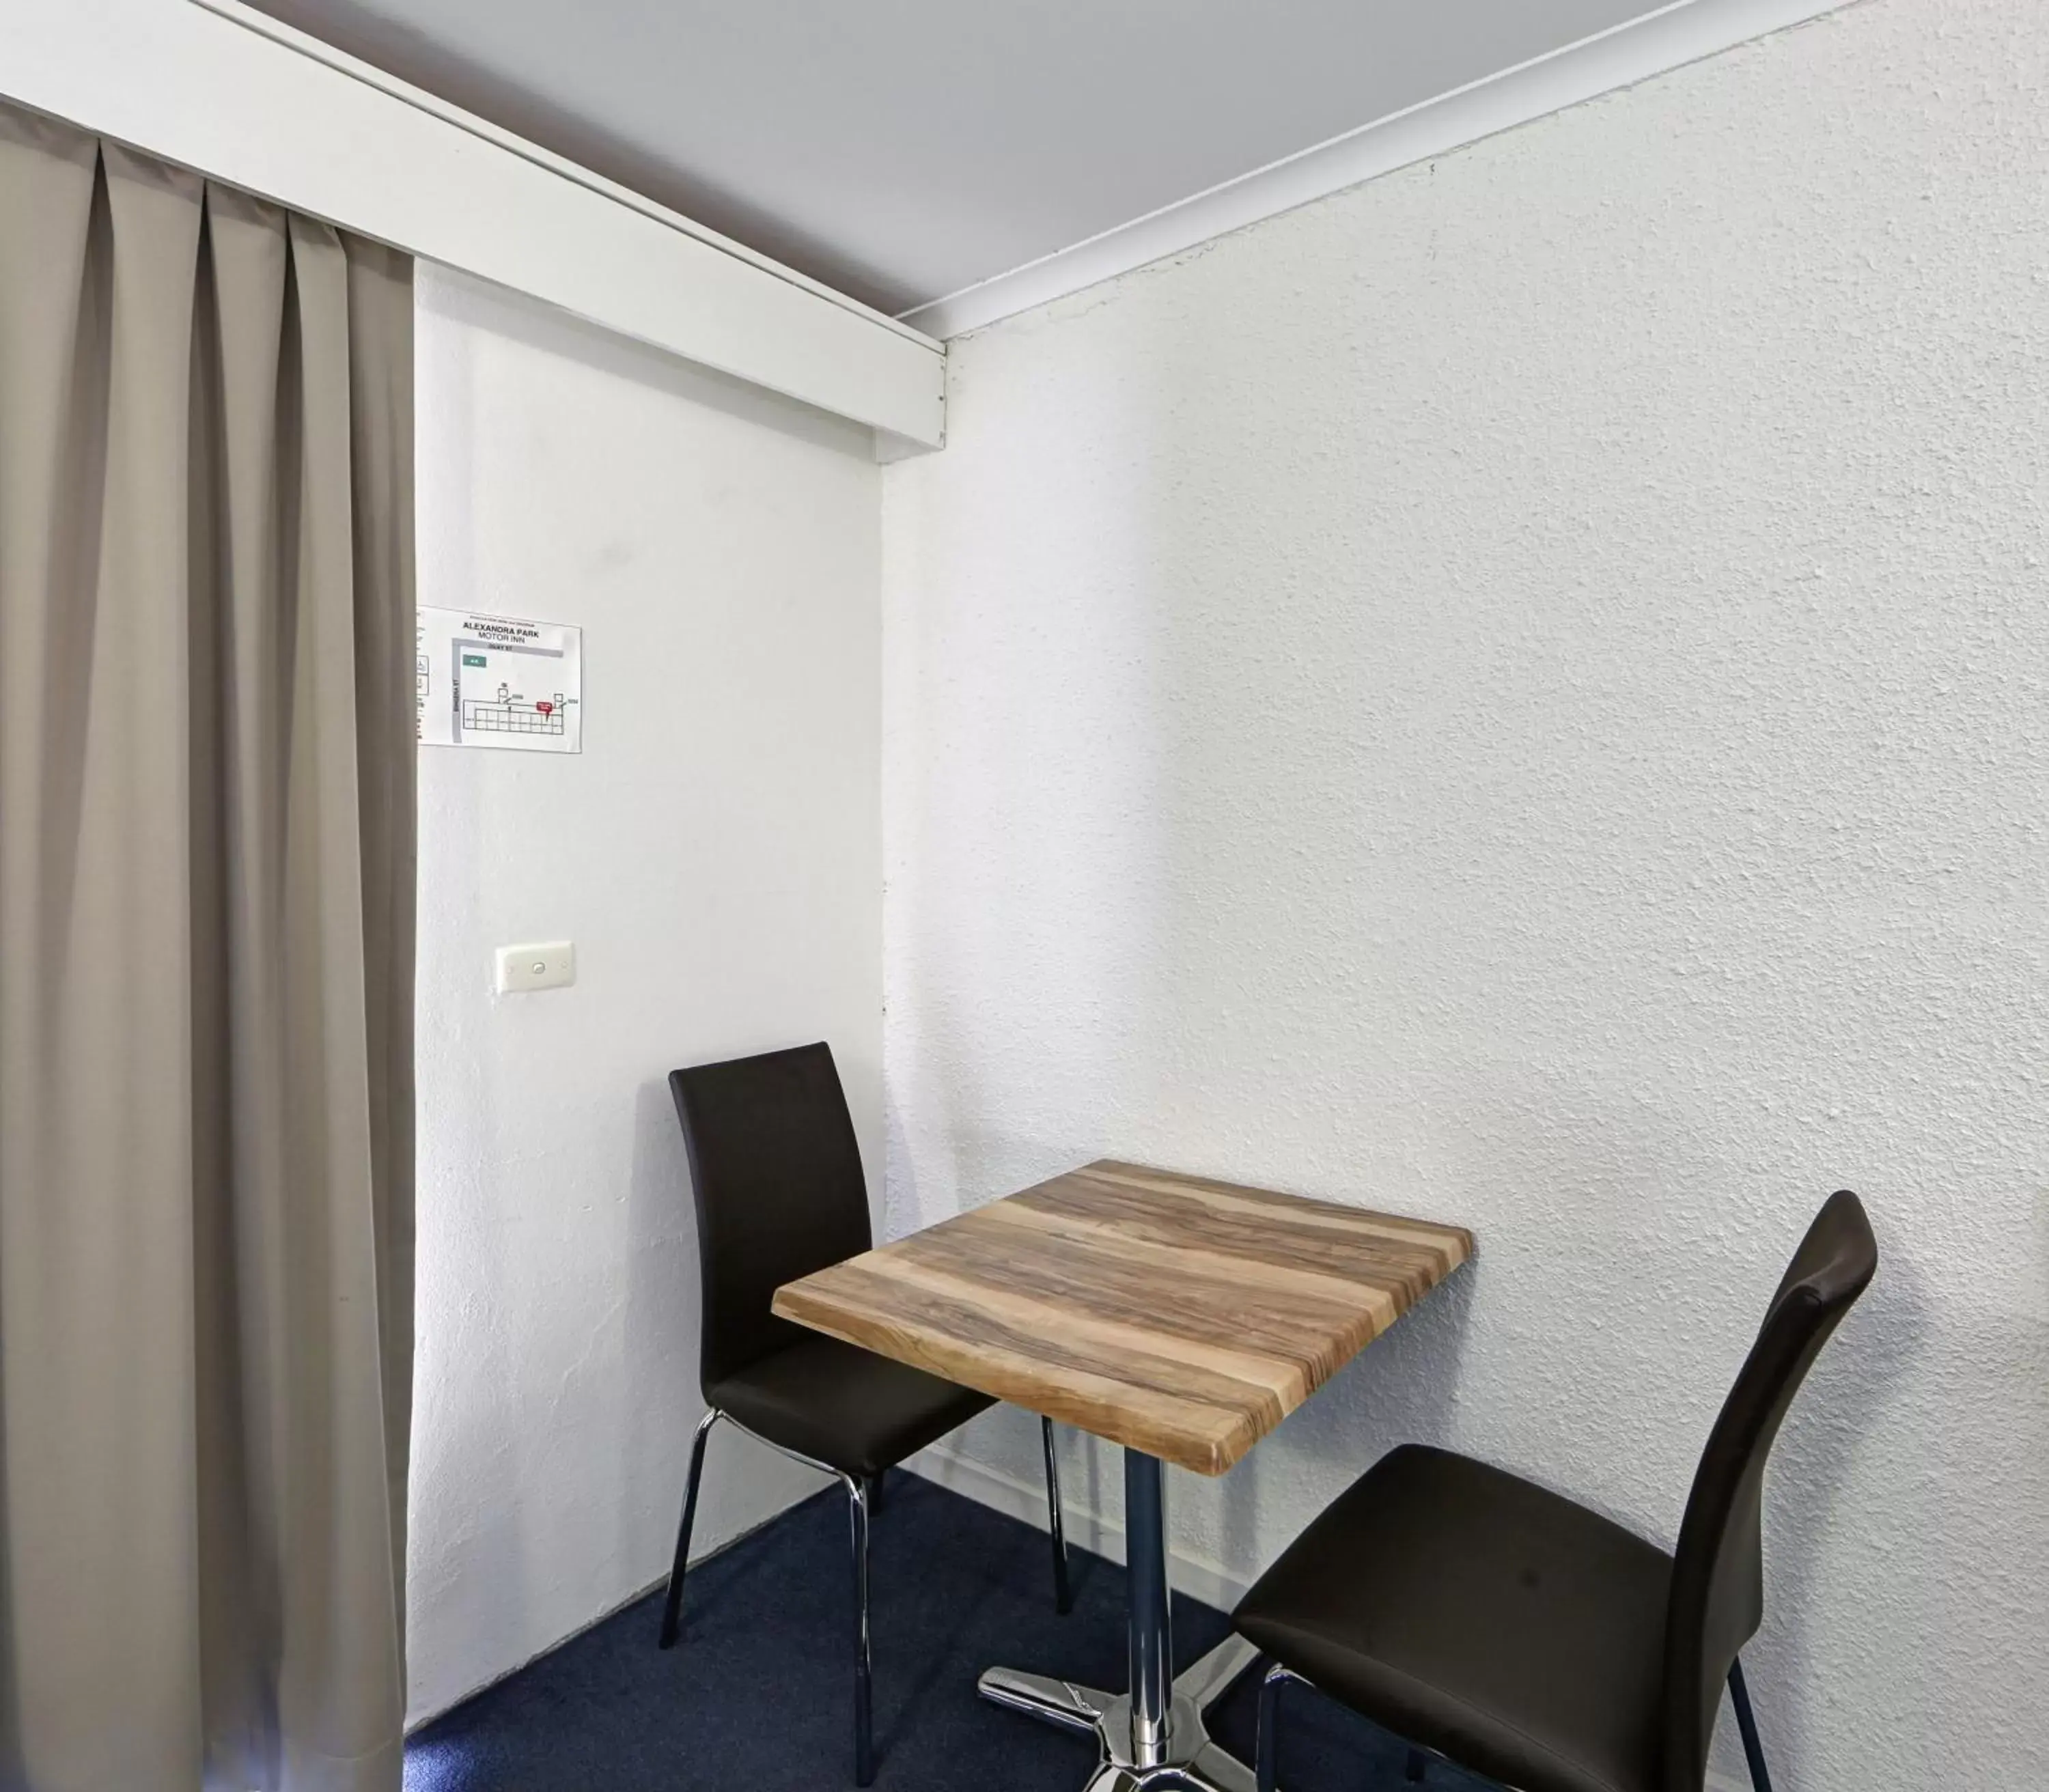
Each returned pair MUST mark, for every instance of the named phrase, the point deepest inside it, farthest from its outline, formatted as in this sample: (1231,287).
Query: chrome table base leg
(1060,1703)
(1217,1672)
(1154,1737)
(1189,1760)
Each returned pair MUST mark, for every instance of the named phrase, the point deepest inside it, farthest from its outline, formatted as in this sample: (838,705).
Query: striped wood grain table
(1175,1315)
(1172,1316)
(1182,1318)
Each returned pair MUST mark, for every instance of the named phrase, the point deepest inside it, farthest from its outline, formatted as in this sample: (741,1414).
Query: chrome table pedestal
(1153,1737)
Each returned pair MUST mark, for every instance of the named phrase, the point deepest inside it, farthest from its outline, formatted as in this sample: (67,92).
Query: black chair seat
(775,1174)
(1530,1639)
(1478,1615)
(844,1406)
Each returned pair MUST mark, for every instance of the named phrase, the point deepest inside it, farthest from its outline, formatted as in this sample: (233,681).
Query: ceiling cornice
(1683,32)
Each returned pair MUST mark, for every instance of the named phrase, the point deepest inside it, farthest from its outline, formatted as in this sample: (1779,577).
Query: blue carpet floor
(757,1696)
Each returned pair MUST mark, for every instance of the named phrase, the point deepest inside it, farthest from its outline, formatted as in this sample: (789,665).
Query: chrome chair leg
(1746,1724)
(864,1731)
(672,1608)
(1266,1754)
(1063,1597)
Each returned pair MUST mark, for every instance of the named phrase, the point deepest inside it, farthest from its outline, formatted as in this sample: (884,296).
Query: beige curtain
(206,951)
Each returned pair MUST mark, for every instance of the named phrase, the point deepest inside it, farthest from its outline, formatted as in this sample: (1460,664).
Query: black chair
(1516,1632)
(776,1175)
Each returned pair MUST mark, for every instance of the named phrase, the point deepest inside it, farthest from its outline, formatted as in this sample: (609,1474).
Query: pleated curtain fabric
(206,965)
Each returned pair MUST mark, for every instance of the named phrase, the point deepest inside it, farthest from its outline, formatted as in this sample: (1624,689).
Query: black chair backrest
(1717,1598)
(776,1175)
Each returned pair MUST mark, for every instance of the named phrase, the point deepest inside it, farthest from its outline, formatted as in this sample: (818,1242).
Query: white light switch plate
(549,967)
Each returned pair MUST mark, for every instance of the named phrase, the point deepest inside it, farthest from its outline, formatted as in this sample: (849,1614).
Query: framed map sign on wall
(499,681)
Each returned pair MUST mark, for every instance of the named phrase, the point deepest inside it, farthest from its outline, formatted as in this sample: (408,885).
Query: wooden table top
(1178,1316)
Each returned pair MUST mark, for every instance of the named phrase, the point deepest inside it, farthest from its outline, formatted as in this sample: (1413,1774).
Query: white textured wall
(715,854)
(1520,693)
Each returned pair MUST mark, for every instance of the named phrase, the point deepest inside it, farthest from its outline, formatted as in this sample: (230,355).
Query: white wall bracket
(217,87)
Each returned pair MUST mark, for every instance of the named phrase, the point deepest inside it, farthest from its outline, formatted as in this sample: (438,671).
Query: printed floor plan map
(496,680)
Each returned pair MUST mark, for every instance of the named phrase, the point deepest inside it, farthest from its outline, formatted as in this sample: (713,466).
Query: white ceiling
(900,150)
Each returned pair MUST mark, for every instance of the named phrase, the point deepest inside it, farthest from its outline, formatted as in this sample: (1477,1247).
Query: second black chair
(1507,1627)
(776,1174)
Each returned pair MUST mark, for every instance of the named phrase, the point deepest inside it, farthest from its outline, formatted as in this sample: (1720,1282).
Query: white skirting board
(1087,1528)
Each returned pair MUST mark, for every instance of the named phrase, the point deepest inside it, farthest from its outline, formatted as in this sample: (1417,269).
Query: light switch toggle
(549,967)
